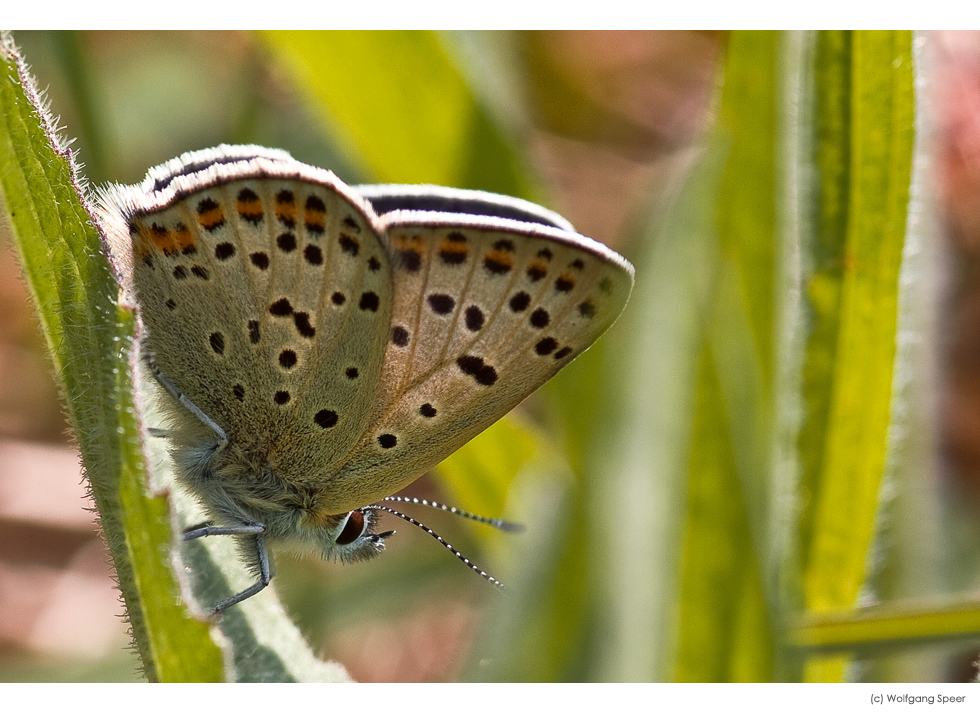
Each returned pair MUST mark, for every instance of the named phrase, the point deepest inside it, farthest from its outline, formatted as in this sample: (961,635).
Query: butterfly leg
(184,401)
(207,530)
(257,531)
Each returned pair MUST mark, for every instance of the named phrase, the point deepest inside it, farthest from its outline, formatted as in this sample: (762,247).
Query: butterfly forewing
(267,304)
(483,314)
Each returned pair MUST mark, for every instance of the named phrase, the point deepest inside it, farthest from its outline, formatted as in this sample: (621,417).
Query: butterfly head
(354,538)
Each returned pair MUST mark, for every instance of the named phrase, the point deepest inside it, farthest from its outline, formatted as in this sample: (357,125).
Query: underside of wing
(485,311)
(266,300)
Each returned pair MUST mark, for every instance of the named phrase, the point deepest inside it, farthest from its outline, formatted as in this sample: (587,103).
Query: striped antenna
(502,525)
(465,560)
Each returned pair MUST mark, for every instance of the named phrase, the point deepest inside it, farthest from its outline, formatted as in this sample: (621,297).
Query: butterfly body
(323,346)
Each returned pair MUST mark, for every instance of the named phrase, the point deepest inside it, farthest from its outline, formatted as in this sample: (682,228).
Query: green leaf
(90,340)
(863,140)
(725,632)
(857,133)
(871,630)
(481,473)
(724,578)
(402,107)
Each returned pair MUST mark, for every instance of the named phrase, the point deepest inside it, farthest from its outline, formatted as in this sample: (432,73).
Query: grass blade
(90,338)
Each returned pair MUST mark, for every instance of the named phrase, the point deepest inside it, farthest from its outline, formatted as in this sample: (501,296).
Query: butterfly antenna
(465,560)
(496,522)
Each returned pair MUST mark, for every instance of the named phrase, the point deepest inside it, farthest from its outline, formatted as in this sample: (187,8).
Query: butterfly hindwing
(268,300)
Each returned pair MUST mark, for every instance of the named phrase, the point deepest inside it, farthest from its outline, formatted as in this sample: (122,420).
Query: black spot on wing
(224,251)
(410,260)
(286,242)
(303,326)
(287,359)
(474,318)
(349,245)
(587,309)
(441,303)
(281,308)
(399,336)
(546,346)
(520,302)
(325,418)
(313,255)
(540,318)
(370,302)
(474,366)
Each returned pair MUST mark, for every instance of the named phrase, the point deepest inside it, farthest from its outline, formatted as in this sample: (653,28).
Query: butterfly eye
(354,526)
(354,538)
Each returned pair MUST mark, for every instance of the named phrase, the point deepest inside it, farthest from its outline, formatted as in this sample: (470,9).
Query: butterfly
(321,346)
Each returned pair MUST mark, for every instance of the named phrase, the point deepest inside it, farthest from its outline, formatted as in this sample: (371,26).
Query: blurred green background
(763,471)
